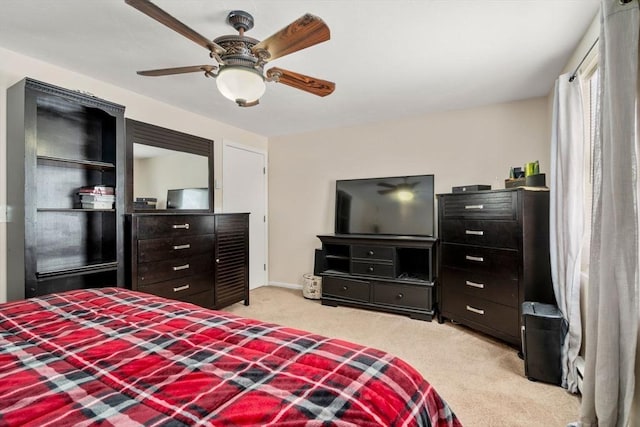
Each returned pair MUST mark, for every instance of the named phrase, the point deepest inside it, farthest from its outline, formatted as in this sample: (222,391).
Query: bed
(117,357)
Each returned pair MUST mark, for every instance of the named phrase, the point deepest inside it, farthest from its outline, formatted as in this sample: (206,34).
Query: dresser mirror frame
(155,136)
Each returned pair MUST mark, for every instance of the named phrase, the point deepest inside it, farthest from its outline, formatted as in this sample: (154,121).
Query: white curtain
(612,301)
(566,215)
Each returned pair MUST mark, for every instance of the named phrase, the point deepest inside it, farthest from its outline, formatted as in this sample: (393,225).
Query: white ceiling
(388,58)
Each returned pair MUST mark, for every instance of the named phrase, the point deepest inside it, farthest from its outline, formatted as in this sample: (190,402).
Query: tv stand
(385,273)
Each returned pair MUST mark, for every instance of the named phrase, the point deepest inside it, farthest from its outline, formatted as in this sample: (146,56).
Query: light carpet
(481,378)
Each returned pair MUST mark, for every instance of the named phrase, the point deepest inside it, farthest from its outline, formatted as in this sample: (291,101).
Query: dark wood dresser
(494,256)
(200,258)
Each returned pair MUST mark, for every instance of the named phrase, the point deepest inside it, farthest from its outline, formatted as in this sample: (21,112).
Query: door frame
(228,143)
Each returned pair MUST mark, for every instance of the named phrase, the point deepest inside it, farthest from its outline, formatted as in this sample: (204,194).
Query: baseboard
(285,285)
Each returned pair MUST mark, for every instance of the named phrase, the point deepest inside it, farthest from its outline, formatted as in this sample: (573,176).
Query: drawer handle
(474,232)
(176,247)
(370,269)
(180,226)
(475,310)
(181,288)
(345,288)
(181,267)
(474,258)
(474,284)
(370,253)
(474,207)
(400,295)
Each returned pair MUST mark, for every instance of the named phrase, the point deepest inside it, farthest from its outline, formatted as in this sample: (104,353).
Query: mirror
(161,175)
(167,170)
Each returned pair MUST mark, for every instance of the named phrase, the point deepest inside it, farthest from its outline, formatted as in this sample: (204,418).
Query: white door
(244,190)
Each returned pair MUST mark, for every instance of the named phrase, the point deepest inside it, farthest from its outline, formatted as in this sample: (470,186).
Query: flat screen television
(401,205)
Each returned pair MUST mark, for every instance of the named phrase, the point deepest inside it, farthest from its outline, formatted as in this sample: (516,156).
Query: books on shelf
(97,197)
(97,205)
(97,190)
(145,203)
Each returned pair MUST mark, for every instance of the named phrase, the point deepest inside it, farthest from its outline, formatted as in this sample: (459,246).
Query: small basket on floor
(311,286)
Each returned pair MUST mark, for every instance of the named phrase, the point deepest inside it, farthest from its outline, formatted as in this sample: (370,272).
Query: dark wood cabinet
(494,256)
(386,273)
(59,141)
(202,258)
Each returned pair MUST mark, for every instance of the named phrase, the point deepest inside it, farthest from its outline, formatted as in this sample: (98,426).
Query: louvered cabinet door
(232,259)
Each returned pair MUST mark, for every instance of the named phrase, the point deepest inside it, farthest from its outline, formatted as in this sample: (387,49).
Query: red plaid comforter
(117,357)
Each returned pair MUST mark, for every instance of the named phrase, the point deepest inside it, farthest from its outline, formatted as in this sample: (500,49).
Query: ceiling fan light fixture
(405,195)
(239,83)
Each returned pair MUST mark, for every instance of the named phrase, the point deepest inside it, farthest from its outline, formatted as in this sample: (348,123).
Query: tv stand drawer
(372,269)
(380,253)
(402,295)
(357,290)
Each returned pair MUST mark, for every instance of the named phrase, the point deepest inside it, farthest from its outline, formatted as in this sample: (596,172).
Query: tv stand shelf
(386,273)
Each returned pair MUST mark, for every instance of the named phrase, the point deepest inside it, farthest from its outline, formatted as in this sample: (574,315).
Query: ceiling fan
(239,71)
(390,188)
(402,191)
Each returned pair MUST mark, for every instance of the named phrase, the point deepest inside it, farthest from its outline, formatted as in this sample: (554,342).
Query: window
(590,91)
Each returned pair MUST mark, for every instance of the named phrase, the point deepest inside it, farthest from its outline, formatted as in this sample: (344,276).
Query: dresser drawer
(487,286)
(493,233)
(357,290)
(157,271)
(372,269)
(402,295)
(178,288)
(174,247)
(372,252)
(159,226)
(203,299)
(499,262)
(461,307)
(490,205)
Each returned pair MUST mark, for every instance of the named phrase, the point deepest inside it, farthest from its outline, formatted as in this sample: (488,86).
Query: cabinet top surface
(499,190)
(381,237)
(77,95)
(183,213)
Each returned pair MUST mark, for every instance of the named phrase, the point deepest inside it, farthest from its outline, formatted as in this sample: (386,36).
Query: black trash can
(543,333)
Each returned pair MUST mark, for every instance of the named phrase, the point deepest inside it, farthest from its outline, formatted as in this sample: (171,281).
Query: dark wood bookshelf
(59,141)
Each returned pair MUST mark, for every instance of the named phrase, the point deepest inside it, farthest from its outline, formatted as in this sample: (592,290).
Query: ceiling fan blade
(153,11)
(178,70)
(302,82)
(387,185)
(302,33)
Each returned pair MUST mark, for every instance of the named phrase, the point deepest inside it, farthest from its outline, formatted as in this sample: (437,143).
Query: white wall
(14,67)
(475,146)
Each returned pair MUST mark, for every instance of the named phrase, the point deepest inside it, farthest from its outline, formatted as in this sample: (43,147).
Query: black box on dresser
(494,256)
(469,188)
